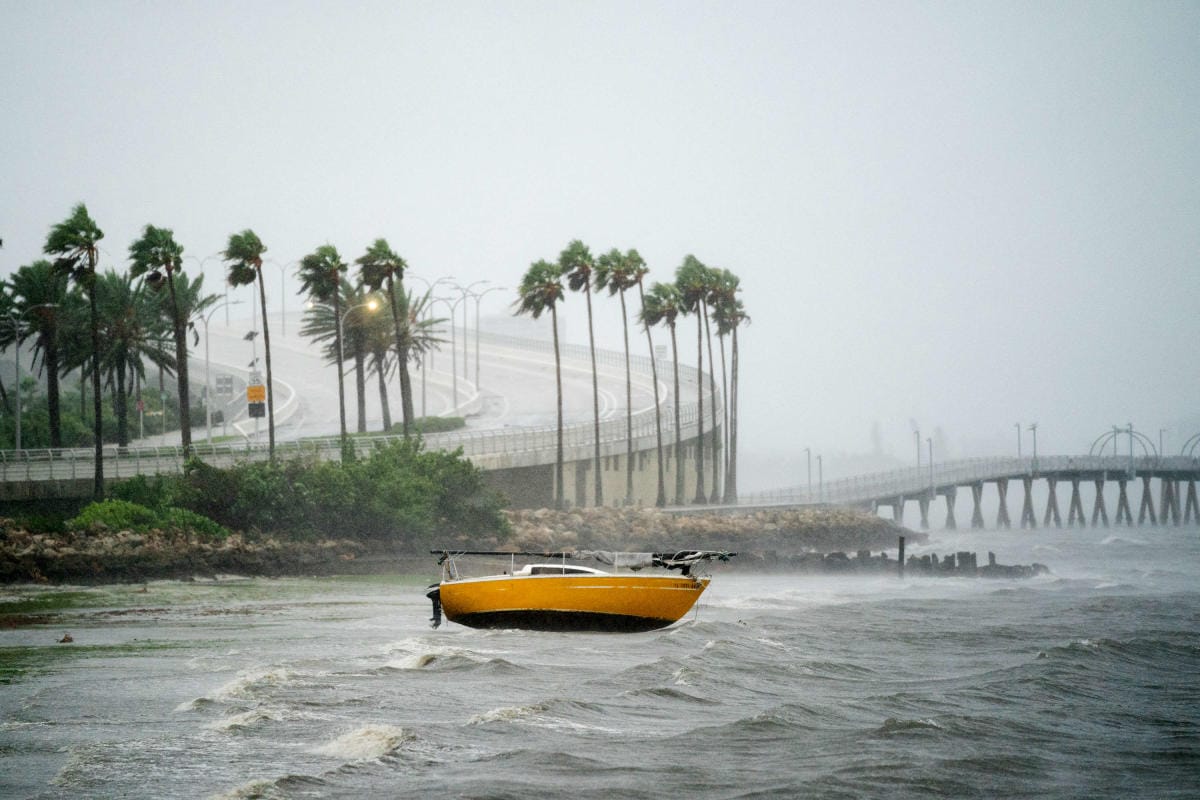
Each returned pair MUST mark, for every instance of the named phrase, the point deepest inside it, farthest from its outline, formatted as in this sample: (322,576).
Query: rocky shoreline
(765,539)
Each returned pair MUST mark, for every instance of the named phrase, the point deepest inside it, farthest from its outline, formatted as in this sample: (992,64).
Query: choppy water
(1085,683)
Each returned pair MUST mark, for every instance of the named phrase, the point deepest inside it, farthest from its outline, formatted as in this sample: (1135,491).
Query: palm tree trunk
(262,296)
(628,408)
(4,399)
(678,428)
(53,406)
(181,369)
(97,409)
(712,395)
(406,402)
(558,458)
(701,498)
(360,387)
(731,472)
(661,499)
(341,376)
(724,411)
(121,406)
(587,292)
(381,371)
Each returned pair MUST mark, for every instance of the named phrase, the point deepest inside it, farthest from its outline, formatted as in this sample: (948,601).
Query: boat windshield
(556,569)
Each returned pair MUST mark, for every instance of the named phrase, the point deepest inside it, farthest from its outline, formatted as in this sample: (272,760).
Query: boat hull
(618,603)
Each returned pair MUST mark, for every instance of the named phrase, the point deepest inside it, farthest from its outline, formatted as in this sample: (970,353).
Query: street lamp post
(453,306)
(464,291)
(429,287)
(820,480)
(478,297)
(1018,425)
(917,438)
(808,457)
(200,262)
(1033,430)
(1161,452)
(929,441)
(208,391)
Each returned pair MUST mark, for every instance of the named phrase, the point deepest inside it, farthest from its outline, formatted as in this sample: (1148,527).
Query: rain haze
(951,217)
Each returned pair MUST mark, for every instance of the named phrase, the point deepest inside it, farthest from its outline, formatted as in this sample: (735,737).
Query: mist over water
(1079,683)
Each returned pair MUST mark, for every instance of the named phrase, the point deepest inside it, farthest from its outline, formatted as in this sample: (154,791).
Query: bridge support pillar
(1027,518)
(977,514)
(1002,520)
(923,502)
(1170,506)
(1147,507)
(1099,512)
(1124,516)
(1052,505)
(1191,509)
(951,495)
(1075,510)
(898,510)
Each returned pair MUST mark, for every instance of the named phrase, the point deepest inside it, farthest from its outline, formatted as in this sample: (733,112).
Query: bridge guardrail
(78,463)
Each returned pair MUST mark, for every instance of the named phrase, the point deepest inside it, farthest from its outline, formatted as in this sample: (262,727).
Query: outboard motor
(435,596)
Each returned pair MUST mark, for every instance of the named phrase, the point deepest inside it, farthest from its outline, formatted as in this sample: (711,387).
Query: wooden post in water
(900,556)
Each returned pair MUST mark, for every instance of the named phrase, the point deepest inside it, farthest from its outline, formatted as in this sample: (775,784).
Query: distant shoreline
(767,539)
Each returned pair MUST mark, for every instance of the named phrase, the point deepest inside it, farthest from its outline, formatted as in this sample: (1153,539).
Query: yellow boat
(567,597)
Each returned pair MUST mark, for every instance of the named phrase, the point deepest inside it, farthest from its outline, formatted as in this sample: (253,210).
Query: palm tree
(541,288)
(691,278)
(133,331)
(75,242)
(711,280)
(320,276)
(729,314)
(320,325)
(576,265)
(243,255)
(419,329)
(662,304)
(638,271)
(39,293)
(380,266)
(158,256)
(614,271)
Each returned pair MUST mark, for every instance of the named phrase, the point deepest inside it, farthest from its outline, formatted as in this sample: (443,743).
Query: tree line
(708,294)
(110,325)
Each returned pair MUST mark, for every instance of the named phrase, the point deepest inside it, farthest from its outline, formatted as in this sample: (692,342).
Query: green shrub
(151,491)
(114,514)
(189,521)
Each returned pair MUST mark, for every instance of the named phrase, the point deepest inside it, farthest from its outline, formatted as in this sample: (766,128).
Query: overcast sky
(958,216)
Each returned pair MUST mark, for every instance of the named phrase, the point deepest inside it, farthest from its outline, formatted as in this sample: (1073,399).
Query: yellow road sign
(256,394)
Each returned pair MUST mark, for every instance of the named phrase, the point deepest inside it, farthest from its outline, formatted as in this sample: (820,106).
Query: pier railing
(917,481)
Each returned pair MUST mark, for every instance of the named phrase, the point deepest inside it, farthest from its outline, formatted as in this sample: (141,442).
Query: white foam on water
(247,791)
(366,743)
(1114,539)
(242,720)
(247,680)
(504,714)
